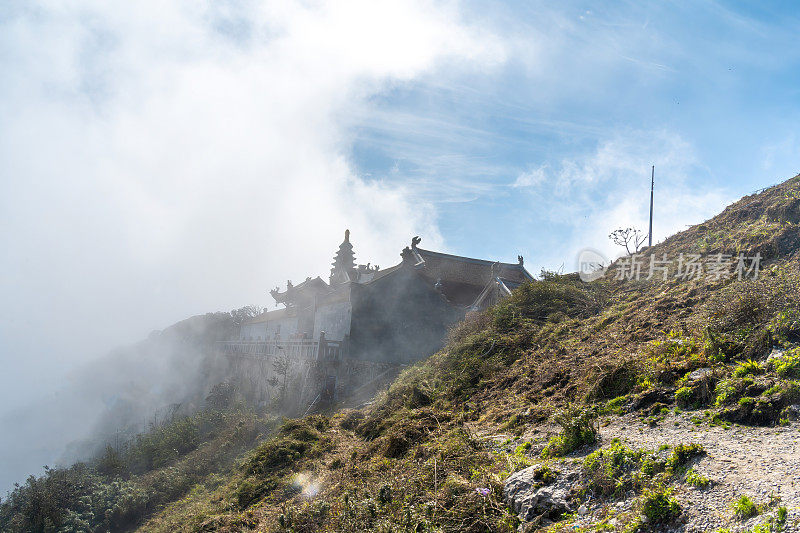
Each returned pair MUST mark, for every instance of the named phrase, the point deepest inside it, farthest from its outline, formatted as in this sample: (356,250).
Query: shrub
(385,495)
(696,479)
(555,294)
(613,470)
(747,368)
(162,445)
(74,499)
(659,506)
(614,380)
(785,326)
(745,508)
(615,406)
(578,428)
(111,463)
(294,440)
(746,316)
(545,475)
(695,394)
(788,366)
(683,396)
(729,391)
(351,419)
(251,490)
(781,515)
(681,455)
(473,323)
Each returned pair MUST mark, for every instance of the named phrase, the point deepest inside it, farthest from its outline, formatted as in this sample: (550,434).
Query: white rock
(700,373)
(776,353)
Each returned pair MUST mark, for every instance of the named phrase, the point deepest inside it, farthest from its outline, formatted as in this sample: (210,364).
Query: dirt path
(758,462)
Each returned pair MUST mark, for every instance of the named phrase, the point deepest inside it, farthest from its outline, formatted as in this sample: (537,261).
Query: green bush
(729,391)
(659,506)
(556,294)
(274,455)
(745,508)
(162,445)
(578,428)
(74,499)
(250,491)
(684,396)
(746,368)
(788,366)
(781,515)
(682,454)
(696,479)
(615,406)
(614,470)
(545,475)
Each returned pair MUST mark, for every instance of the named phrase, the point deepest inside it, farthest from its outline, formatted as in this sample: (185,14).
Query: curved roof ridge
(464,258)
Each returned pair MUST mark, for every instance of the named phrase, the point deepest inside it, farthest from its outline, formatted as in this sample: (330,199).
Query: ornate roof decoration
(301,294)
(344,261)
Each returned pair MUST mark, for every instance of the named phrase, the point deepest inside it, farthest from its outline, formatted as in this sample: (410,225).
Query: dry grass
(411,462)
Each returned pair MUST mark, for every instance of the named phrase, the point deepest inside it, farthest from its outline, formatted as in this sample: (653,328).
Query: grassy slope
(120,488)
(415,457)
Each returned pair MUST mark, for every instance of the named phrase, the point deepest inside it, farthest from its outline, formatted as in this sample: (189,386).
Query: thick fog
(163,160)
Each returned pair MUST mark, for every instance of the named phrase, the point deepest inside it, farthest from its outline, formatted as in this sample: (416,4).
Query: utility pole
(652,182)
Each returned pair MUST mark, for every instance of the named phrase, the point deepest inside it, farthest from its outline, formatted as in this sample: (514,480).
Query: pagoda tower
(344,261)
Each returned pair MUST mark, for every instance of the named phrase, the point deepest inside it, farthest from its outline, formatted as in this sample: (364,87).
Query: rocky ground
(762,463)
(759,462)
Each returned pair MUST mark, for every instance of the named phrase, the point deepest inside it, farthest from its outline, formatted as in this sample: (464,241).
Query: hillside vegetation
(526,384)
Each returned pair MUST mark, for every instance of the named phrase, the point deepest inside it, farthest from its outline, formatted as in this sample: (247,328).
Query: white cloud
(531,178)
(609,188)
(164,159)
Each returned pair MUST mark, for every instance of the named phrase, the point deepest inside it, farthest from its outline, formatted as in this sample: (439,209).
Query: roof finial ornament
(415,241)
(521,260)
(347,235)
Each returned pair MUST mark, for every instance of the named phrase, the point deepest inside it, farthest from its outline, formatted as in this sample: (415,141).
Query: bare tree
(281,366)
(628,238)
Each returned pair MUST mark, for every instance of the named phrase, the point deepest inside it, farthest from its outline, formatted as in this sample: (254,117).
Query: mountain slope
(433,452)
(568,406)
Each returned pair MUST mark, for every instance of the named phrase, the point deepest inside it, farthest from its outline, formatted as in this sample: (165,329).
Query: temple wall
(399,319)
(334,320)
(285,327)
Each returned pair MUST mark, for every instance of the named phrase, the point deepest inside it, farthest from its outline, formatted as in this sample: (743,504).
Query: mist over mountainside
(622,404)
(547,319)
(116,396)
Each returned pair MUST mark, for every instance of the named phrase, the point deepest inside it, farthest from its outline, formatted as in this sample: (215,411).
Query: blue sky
(165,159)
(720,79)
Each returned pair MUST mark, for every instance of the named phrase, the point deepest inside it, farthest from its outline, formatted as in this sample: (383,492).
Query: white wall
(334,320)
(267,330)
(253,331)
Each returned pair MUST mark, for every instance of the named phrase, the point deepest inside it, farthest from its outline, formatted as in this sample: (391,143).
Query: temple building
(365,321)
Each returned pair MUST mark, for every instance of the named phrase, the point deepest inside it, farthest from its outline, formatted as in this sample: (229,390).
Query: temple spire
(344,261)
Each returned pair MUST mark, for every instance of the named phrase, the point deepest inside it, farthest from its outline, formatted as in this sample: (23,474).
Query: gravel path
(758,462)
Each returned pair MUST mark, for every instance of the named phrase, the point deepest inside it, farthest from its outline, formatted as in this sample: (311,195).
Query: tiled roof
(302,292)
(454,268)
(271,315)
